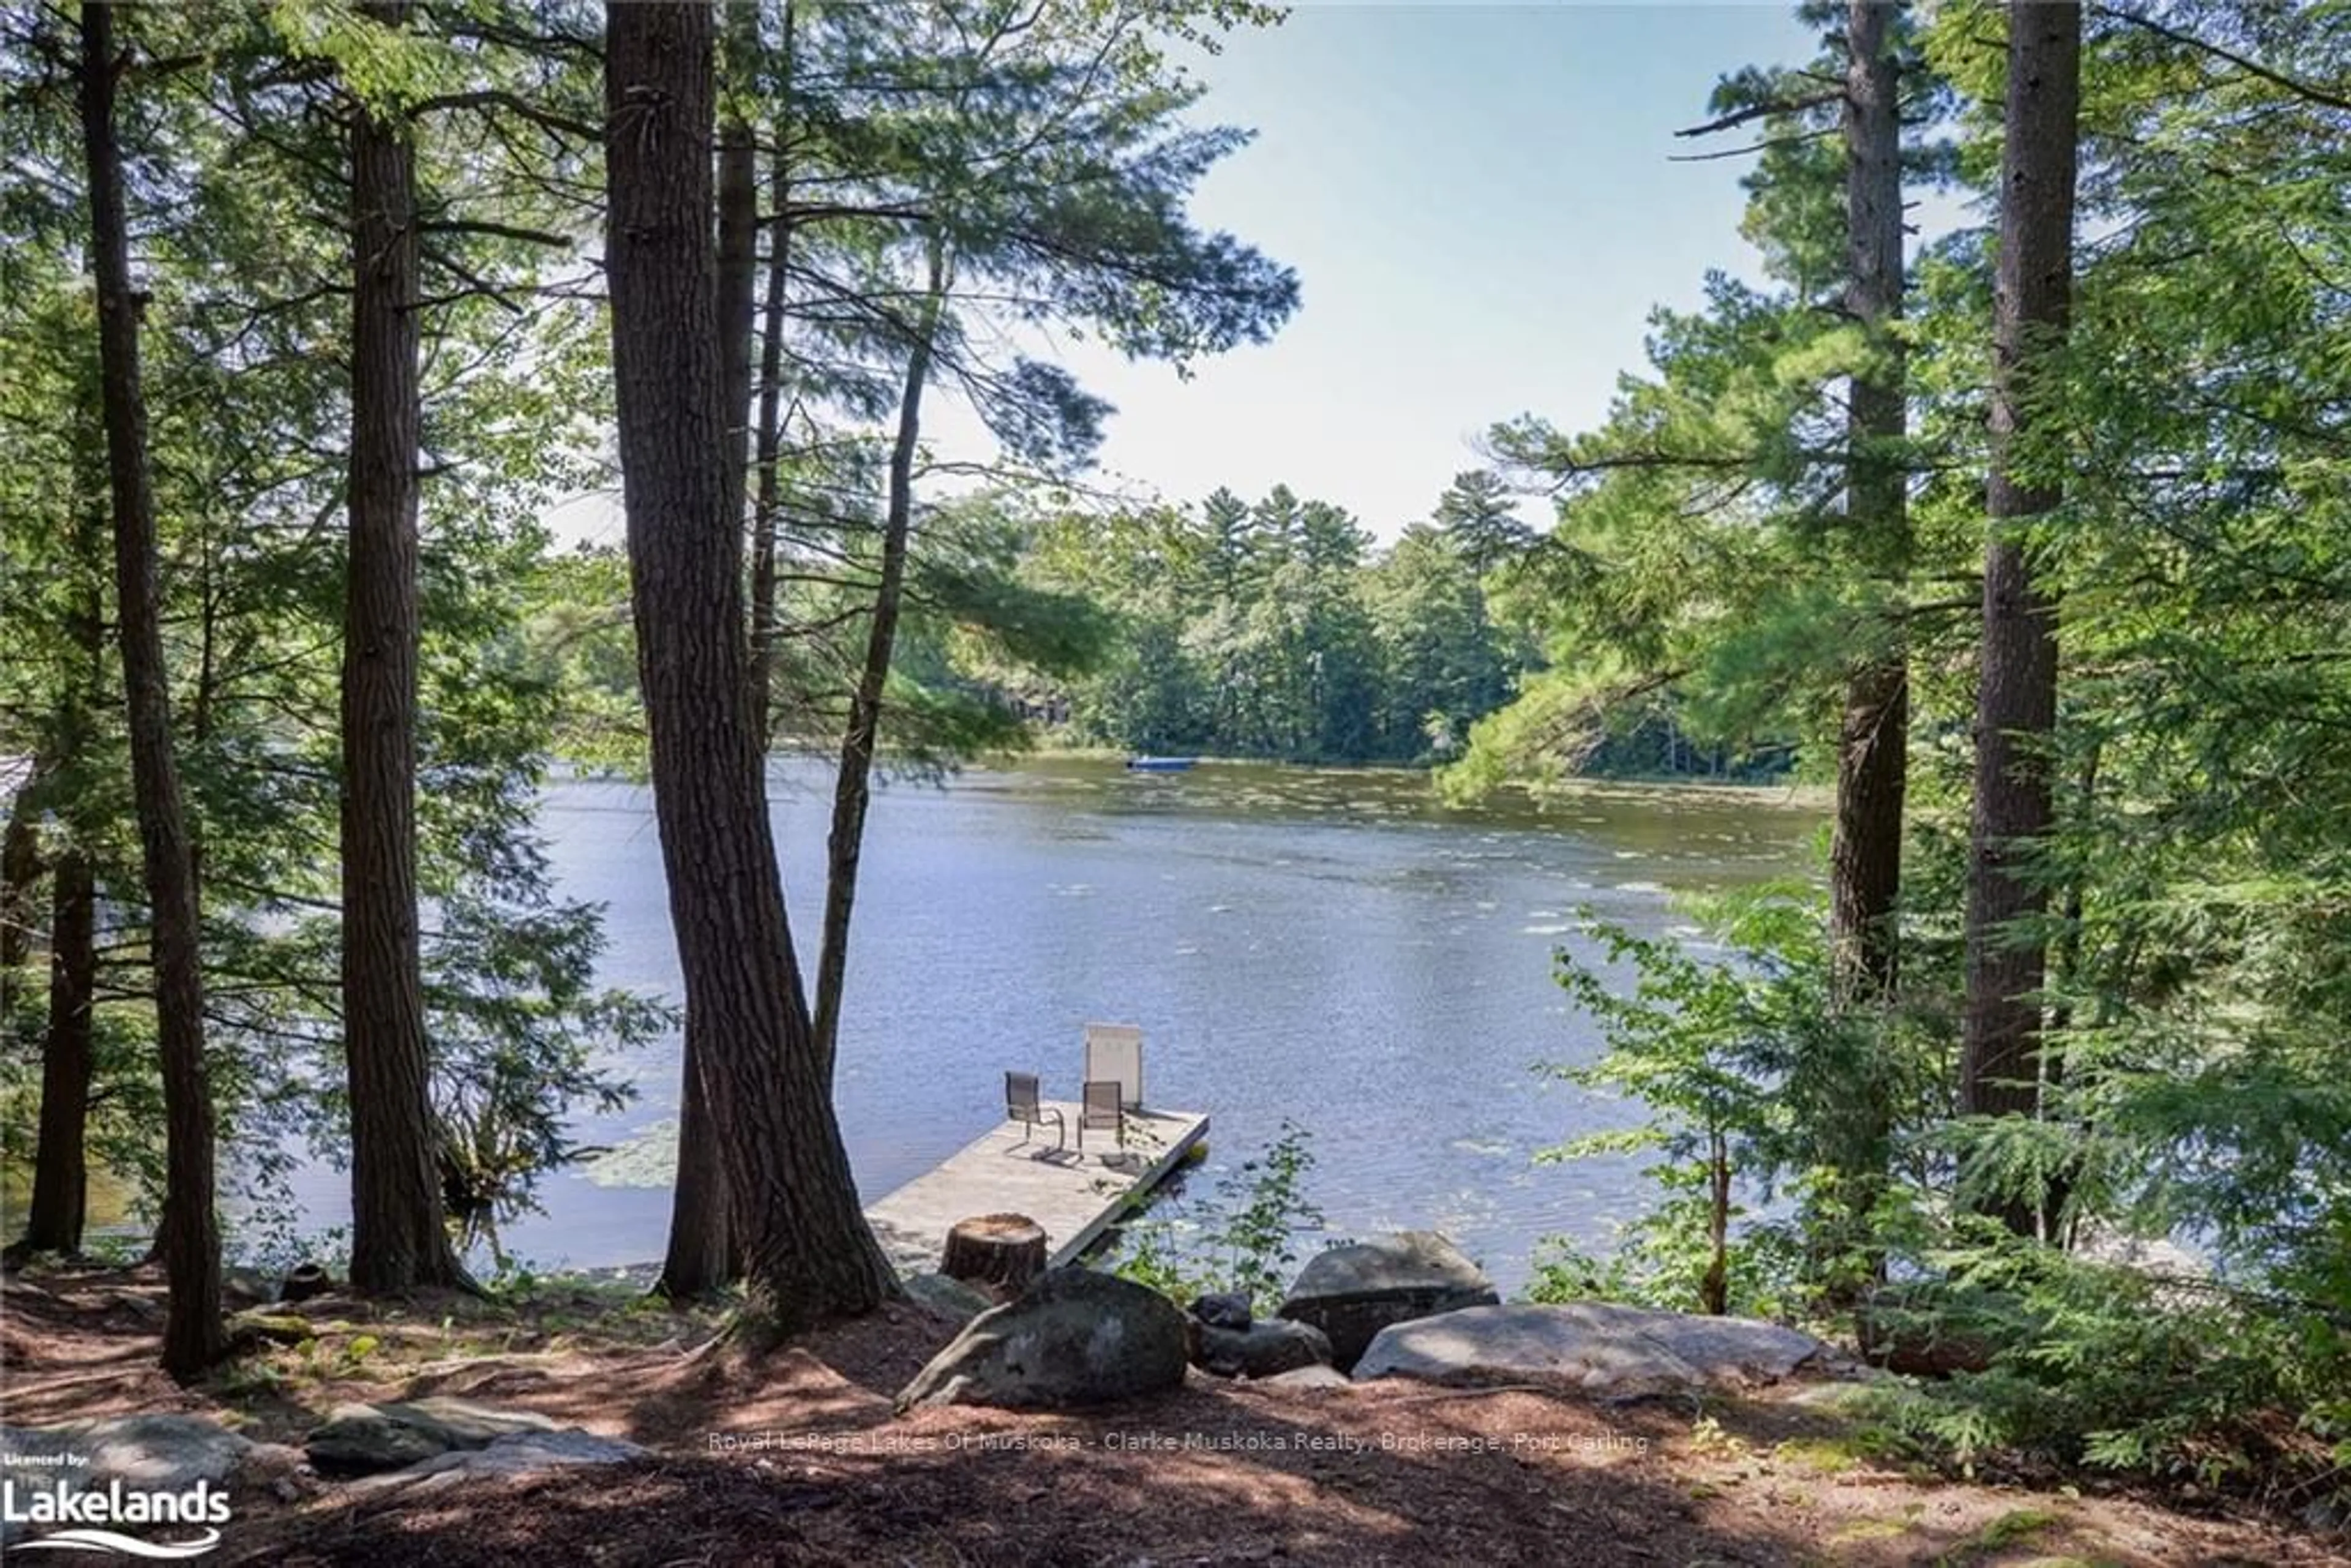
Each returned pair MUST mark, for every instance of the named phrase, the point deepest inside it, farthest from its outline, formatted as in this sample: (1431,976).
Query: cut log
(1002,1253)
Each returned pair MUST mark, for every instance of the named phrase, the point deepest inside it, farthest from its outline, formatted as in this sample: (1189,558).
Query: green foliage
(1757,1091)
(241,218)
(2091,1364)
(1661,1259)
(1275,629)
(2110,1368)
(2197,1000)
(1244,1239)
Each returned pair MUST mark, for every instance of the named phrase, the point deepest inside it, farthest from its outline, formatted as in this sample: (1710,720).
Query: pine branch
(2308,91)
(492,98)
(1765,145)
(1762,111)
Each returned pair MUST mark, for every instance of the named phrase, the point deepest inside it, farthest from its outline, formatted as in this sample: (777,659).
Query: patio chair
(1022,1104)
(1101,1106)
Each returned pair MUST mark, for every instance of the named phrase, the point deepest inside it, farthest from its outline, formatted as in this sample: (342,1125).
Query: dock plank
(1075,1198)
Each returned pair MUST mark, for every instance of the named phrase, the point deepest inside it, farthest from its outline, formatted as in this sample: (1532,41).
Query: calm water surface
(1329,947)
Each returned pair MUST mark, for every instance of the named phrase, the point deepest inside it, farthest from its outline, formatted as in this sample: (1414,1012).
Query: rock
(279,1328)
(167,1452)
(1352,1292)
(950,1296)
(358,1439)
(510,1454)
(306,1281)
(147,1453)
(247,1287)
(1224,1310)
(1262,1350)
(1310,1378)
(1596,1346)
(363,1439)
(1074,1337)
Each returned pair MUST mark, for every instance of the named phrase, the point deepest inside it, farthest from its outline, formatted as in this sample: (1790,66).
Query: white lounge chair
(1114,1055)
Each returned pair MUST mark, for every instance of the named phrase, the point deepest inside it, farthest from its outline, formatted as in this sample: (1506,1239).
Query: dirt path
(798,1460)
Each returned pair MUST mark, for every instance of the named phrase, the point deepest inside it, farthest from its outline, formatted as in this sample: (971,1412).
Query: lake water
(1329,947)
(1296,943)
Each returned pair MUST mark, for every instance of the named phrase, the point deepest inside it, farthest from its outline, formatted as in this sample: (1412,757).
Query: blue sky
(1481,208)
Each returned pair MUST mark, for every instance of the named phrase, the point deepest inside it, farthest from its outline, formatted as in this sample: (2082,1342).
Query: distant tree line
(1281,629)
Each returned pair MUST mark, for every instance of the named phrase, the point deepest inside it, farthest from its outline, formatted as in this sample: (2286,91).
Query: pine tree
(806,1247)
(194,1337)
(2016,705)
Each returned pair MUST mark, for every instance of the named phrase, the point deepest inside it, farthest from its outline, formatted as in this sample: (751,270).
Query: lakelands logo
(90,1509)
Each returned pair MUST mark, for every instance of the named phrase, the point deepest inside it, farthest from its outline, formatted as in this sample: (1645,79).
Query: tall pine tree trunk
(59,1207)
(852,782)
(807,1250)
(399,1237)
(190,1241)
(701,1258)
(60,1200)
(1874,734)
(1866,853)
(768,441)
(20,875)
(2016,703)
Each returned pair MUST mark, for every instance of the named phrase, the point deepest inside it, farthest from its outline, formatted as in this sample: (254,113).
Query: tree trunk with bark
(399,1237)
(2016,704)
(807,1250)
(769,438)
(701,1259)
(59,1206)
(190,1241)
(60,1200)
(767,504)
(852,783)
(20,875)
(1872,748)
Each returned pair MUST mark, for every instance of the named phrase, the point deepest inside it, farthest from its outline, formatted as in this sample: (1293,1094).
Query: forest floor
(795,1457)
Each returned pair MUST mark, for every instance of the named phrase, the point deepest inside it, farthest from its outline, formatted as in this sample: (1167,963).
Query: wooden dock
(1074,1196)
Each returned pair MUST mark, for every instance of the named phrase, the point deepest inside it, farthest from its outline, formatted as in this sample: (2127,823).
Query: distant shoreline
(1776,794)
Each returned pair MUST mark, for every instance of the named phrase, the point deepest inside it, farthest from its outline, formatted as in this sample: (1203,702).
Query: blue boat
(1160,764)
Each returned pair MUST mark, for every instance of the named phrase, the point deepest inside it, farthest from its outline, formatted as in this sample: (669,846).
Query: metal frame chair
(1023,1105)
(1101,1106)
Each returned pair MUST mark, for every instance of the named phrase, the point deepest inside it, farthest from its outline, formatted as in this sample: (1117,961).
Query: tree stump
(1001,1252)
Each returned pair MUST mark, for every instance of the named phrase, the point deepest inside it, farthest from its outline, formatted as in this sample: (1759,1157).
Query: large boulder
(1224,1310)
(1262,1349)
(1598,1347)
(1352,1292)
(947,1296)
(1074,1337)
(151,1453)
(1315,1378)
(363,1439)
(517,1453)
